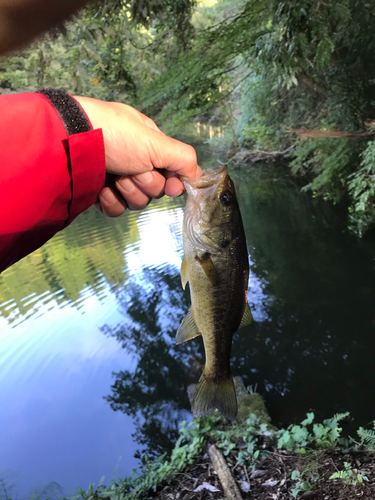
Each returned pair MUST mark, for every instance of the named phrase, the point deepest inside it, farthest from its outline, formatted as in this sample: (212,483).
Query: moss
(252,403)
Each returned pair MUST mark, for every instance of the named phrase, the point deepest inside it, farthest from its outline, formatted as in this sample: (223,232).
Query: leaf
(206,486)
(301,451)
(318,430)
(245,486)
(270,483)
(299,433)
(340,416)
(295,475)
(309,419)
(258,473)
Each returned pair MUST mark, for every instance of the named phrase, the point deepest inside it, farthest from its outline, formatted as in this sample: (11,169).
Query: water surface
(89,369)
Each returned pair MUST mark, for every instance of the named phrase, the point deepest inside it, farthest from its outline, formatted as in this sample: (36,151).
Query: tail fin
(211,394)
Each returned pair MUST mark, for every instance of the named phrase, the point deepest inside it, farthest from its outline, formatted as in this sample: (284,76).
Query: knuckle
(150,122)
(139,205)
(191,156)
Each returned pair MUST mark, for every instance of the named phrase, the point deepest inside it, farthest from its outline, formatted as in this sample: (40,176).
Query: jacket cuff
(84,149)
(87,167)
(71,113)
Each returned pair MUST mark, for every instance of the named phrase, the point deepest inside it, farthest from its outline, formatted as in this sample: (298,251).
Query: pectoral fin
(187,329)
(209,268)
(247,318)
(184,272)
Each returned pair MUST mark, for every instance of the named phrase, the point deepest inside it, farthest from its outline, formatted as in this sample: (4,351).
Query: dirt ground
(271,479)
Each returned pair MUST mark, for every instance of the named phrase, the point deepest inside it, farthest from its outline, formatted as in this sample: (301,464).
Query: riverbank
(310,460)
(278,477)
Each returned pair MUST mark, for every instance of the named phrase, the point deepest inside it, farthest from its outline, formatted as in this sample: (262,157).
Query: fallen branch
(276,153)
(231,490)
(311,134)
(255,156)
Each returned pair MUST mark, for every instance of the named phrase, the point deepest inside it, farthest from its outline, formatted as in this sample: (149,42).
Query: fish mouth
(210,177)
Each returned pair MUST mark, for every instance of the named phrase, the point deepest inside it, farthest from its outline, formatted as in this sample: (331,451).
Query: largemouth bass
(216,266)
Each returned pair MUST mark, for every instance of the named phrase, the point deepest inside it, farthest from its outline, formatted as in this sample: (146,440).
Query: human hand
(142,160)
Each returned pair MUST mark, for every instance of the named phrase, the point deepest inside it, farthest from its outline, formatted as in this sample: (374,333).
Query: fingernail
(180,194)
(107,196)
(125,185)
(145,179)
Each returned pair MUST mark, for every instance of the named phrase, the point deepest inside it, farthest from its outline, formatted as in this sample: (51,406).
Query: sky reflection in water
(56,363)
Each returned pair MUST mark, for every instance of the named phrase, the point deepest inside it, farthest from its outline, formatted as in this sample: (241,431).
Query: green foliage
(298,437)
(348,475)
(367,437)
(163,15)
(362,191)
(298,64)
(300,485)
(5,490)
(295,438)
(254,65)
(330,163)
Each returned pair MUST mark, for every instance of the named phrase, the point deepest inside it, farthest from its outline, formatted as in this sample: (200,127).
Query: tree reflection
(317,311)
(85,254)
(155,392)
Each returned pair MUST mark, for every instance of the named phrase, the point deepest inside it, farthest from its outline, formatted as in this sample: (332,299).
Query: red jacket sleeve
(47,177)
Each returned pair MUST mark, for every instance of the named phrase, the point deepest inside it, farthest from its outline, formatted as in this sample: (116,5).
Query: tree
(261,66)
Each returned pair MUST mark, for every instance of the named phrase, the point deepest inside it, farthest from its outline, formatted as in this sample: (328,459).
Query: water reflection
(105,296)
(154,393)
(208,131)
(314,350)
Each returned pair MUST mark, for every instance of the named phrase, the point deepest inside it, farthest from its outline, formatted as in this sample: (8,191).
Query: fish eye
(226,197)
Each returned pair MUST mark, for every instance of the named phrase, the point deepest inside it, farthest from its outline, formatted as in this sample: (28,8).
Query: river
(90,374)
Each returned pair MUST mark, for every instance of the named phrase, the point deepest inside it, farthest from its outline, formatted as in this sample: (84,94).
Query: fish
(216,265)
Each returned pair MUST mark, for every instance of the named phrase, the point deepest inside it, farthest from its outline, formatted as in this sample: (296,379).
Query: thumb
(173,155)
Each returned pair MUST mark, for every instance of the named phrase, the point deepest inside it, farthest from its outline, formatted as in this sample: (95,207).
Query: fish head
(211,208)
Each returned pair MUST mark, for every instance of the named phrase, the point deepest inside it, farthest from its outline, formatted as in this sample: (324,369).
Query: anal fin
(187,329)
(247,318)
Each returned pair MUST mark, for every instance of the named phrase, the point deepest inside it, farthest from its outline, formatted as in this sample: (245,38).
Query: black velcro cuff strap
(70,112)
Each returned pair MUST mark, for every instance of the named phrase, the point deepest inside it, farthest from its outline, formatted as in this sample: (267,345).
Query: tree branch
(231,490)
(311,134)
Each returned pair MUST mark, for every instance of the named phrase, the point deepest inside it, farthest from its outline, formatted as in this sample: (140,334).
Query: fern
(362,191)
(367,437)
(341,474)
(340,416)
(348,475)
